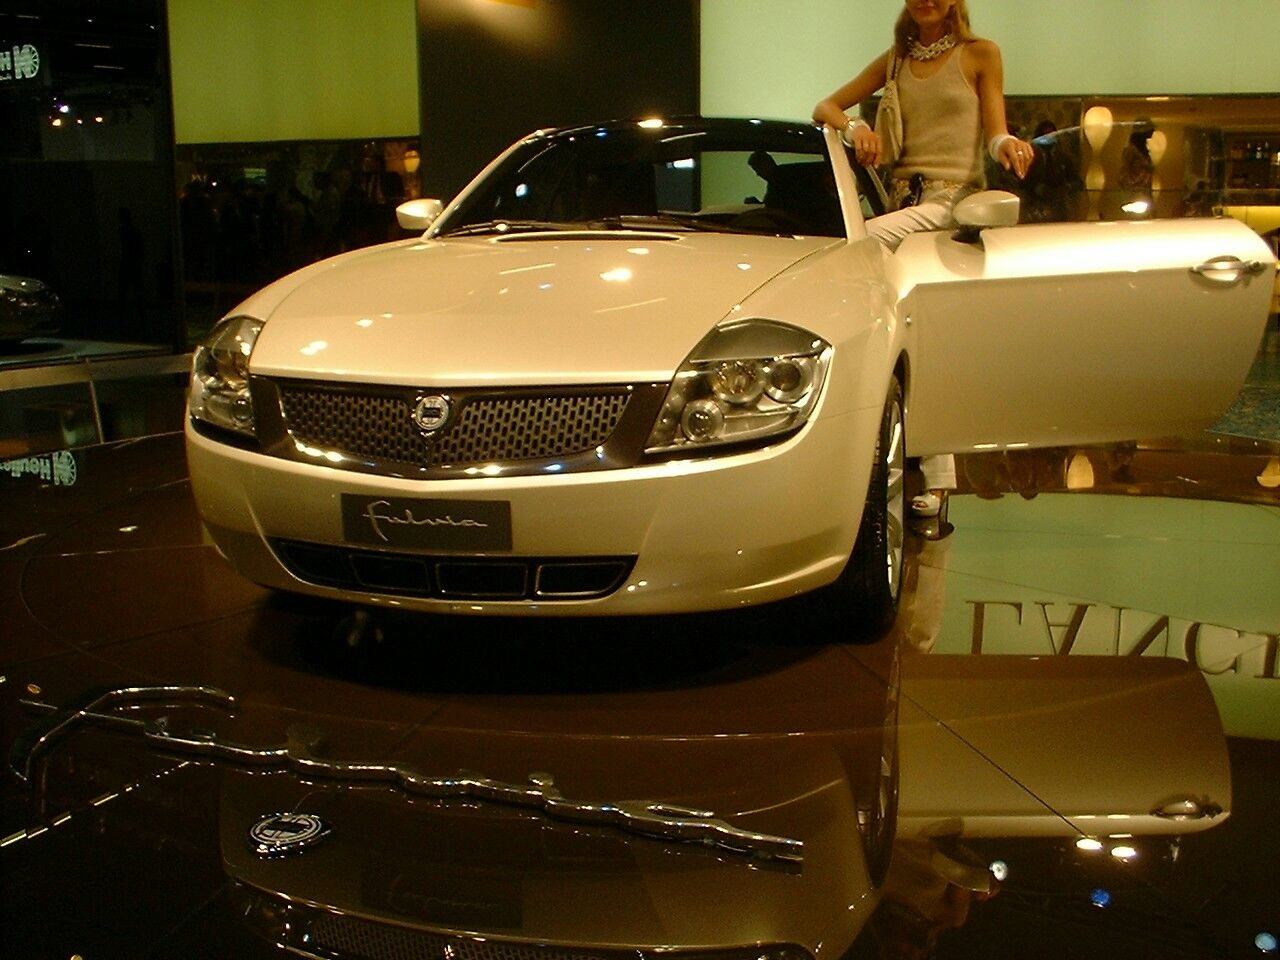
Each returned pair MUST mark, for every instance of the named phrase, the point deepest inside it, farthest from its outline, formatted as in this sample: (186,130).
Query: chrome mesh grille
(486,428)
(529,428)
(369,426)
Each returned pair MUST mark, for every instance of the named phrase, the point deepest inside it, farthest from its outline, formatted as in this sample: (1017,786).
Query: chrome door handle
(1228,269)
(1186,808)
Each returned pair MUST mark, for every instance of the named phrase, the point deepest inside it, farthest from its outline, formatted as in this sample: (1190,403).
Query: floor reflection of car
(28,308)
(1135,753)
(743,818)
(659,367)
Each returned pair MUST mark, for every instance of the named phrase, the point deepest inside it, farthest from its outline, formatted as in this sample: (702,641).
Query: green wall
(777,58)
(252,70)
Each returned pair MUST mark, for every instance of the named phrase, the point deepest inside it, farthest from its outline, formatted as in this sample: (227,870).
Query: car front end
(611,416)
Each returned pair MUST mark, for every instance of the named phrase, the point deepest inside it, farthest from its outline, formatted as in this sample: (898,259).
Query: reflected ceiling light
(652,123)
(56,121)
(1136,207)
(1124,853)
(63,108)
(1097,125)
(1000,870)
(314,347)
(364,322)
(617,275)
(685,163)
(1157,144)
(1089,843)
(1270,475)
(639,251)
(1079,472)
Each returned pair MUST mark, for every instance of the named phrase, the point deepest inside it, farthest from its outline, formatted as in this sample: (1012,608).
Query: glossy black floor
(1002,748)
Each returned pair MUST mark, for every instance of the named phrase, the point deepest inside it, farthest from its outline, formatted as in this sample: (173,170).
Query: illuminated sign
(58,468)
(19,62)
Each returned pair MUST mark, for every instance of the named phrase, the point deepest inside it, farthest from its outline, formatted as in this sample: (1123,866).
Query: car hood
(566,307)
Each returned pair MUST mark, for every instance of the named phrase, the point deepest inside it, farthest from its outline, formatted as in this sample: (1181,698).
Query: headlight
(219,393)
(746,380)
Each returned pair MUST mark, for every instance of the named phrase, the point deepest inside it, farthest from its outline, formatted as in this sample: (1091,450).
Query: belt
(909,191)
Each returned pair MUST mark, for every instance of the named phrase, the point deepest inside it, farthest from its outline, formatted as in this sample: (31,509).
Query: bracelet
(851,124)
(993,148)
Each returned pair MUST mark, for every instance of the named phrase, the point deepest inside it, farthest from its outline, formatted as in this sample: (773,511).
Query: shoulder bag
(889,115)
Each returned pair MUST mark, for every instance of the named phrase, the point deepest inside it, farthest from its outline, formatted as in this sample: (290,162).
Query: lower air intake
(452,577)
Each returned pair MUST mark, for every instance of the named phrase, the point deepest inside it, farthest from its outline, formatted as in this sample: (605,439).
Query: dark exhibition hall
(644,480)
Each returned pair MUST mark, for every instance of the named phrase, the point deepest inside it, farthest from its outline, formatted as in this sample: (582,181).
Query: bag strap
(894,64)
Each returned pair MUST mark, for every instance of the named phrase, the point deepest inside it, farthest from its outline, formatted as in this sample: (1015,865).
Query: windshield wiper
(498,226)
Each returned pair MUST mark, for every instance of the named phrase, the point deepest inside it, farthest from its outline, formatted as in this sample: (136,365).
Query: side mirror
(418,214)
(987,208)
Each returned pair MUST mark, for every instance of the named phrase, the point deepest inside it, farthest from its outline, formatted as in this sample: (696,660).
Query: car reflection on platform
(28,308)
(734,818)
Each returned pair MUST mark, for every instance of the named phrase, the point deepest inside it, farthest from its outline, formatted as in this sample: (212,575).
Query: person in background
(951,89)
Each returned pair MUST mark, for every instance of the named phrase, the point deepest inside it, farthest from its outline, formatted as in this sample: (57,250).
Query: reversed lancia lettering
(1088,629)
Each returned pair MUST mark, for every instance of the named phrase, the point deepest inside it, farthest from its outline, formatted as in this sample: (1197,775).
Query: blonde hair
(905,30)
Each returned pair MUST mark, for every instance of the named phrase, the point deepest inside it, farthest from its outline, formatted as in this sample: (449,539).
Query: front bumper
(706,534)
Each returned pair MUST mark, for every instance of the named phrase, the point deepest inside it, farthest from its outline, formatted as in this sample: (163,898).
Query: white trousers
(939,471)
(932,213)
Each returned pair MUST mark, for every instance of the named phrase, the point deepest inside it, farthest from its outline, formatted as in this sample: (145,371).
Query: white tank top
(941,125)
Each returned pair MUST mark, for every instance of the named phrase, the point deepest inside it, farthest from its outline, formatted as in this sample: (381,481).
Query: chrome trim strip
(35,739)
(645,818)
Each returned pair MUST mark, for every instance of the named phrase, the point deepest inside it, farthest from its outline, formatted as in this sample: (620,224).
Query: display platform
(49,351)
(1066,746)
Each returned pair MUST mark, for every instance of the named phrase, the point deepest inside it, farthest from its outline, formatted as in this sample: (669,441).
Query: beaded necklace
(917,51)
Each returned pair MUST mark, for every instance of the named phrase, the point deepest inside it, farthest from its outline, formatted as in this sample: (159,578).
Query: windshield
(734,176)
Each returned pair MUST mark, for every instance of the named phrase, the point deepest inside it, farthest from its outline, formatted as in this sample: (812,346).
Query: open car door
(1053,334)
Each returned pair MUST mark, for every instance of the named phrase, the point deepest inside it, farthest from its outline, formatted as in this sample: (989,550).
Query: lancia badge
(432,413)
(281,834)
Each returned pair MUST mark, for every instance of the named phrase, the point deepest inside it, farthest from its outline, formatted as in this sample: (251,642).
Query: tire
(876,790)
(871,582)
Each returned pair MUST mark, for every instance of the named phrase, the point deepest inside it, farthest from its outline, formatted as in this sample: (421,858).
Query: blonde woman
(951,88)
(951,91)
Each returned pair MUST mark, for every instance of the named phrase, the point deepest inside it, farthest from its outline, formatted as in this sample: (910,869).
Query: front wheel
(871,581)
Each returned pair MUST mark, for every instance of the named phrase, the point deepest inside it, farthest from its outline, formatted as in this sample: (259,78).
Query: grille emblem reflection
(432,413)
(281,834)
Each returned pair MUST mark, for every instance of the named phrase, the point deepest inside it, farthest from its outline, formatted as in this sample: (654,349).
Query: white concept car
(659,367)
